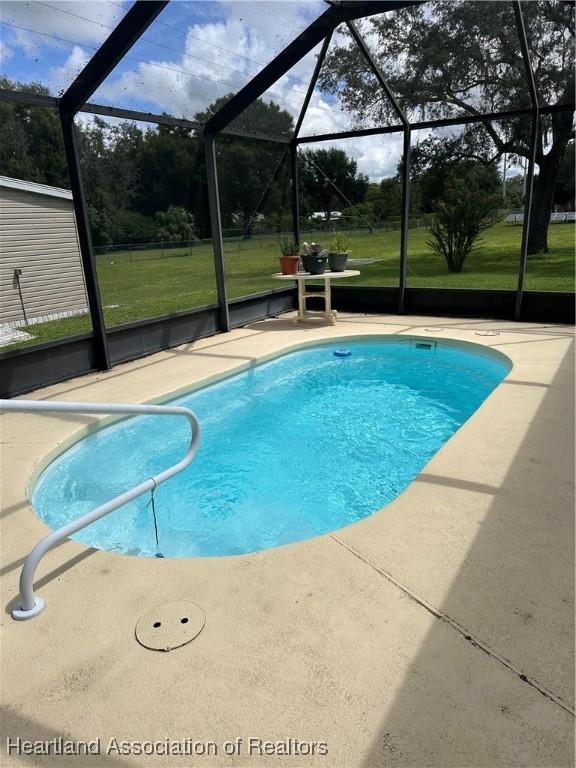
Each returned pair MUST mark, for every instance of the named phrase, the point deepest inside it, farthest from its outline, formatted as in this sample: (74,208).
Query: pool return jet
(30,605)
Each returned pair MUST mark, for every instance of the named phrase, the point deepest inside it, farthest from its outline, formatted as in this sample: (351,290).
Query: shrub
(132,227)
(460,218)
(175,225)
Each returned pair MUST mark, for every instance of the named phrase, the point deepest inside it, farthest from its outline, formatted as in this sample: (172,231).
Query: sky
(194,52)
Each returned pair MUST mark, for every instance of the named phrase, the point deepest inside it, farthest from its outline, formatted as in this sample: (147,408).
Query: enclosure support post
(312,84)
(532,159)
(402,117)
(337,12)
(295,194)
(85,240)
(216,230)
(404,222)
(527,215)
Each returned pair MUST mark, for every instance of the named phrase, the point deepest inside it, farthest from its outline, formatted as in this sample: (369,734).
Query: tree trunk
(542,205)
(545,184)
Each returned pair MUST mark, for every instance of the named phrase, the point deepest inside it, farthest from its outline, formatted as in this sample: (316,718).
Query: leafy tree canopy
(31,144)
(454,57)
(260,116)
(329,180)
(460,57)
(252,175)
(435,167)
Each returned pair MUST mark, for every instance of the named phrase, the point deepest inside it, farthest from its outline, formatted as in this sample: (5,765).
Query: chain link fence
(260,237)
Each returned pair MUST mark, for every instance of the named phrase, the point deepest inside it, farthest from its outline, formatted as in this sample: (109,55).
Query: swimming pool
(296,447)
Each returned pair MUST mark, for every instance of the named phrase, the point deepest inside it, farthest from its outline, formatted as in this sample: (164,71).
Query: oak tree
(459,58)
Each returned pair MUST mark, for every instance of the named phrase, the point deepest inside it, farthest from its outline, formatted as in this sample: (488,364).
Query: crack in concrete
(476,642)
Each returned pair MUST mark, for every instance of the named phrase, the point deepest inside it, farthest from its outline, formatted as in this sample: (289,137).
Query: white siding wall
(38,235)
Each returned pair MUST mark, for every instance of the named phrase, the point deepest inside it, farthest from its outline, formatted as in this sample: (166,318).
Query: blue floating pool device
(342,353)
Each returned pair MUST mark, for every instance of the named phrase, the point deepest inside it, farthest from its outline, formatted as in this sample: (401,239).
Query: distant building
(41,276)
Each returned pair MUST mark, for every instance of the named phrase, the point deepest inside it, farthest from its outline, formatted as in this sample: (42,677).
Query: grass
(145,284)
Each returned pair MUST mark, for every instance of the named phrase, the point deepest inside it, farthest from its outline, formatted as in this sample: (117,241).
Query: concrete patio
(437,632)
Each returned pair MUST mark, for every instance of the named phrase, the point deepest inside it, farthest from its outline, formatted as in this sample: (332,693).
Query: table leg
(301,300)
(330,315)
(327,298)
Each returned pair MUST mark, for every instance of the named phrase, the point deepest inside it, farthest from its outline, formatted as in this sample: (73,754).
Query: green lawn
(142,284)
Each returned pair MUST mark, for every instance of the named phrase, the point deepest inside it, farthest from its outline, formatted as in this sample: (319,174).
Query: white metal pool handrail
(31,605)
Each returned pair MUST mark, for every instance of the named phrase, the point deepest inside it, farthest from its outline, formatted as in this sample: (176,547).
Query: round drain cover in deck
(170,625)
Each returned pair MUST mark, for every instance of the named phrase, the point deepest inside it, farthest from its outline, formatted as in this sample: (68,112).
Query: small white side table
(301,278)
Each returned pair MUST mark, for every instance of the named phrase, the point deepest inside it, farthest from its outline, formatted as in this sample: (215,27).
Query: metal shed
(41,276)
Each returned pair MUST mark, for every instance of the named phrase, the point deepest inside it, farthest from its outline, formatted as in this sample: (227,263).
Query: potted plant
(289,259)
(338,252)
(314,258)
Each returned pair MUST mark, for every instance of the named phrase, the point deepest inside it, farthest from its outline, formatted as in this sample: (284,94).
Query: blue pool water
(290,449)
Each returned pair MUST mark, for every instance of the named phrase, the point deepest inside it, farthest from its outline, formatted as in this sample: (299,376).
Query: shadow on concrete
(5,511)
(520,567)
(437,325)
(15,727)
(54,573)
(119,369)
(283,322)
(453,482)
(17,563)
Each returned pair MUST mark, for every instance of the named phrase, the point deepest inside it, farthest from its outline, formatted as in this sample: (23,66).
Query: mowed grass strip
(143,284)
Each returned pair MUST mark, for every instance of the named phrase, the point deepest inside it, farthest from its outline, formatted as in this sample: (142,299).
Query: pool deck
(437,632)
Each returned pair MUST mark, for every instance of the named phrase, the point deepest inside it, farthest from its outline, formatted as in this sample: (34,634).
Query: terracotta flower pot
(289,265)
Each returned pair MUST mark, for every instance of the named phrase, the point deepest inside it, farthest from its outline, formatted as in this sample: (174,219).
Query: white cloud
(377,156)
(75,62)
(40,29)
(5,52)
(61,18)
(216,57)
(182,96)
